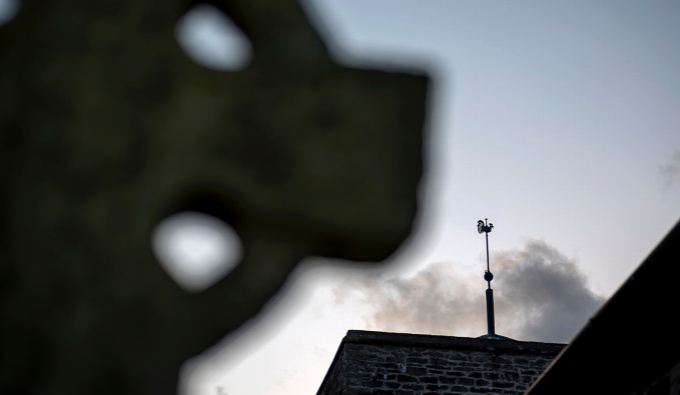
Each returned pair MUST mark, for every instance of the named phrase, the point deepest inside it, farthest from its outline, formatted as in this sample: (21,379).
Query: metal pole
(489,312)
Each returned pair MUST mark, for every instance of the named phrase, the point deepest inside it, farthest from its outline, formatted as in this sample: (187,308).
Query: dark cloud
(540,295)
(434,301)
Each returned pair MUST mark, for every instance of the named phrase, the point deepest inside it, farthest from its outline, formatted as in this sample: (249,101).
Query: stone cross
(107,128)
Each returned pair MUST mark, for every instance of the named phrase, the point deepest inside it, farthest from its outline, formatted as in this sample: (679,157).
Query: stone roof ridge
(499,343)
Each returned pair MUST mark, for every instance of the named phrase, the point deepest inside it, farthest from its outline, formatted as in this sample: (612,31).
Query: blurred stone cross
(107,128)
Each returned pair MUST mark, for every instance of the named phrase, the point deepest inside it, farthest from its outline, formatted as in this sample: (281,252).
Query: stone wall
(378,363)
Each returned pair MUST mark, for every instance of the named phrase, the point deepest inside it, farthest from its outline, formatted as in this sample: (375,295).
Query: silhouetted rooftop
(499,343)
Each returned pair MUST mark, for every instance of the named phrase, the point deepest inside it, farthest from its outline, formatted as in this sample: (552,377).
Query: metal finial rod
(484,226)
(487,252)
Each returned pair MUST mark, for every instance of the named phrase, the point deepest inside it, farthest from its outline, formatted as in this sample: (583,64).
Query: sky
(558,121)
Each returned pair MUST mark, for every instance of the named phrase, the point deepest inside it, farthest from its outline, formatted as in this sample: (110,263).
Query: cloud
(540,295)
(543,295)
(434,301)
(671,173)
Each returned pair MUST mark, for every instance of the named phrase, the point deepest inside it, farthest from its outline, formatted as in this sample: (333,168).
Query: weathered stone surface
(106,128)
(359,365)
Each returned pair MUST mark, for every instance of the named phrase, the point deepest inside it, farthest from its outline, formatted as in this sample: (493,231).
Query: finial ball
(488,276)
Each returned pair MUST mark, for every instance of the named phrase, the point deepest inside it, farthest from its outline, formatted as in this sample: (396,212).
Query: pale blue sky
(553,119)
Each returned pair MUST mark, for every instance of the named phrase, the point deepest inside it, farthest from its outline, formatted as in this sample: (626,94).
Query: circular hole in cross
(196,250)
(212,40)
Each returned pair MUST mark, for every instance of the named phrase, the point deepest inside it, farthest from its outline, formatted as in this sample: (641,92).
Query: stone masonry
(380,363)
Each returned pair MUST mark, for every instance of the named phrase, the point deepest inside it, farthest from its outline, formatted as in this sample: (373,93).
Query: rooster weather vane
(485,227)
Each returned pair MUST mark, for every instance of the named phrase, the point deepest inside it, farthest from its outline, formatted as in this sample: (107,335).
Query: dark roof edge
(632,340)
(460,343)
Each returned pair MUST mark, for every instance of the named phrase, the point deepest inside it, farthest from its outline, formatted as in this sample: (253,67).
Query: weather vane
(485,227)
